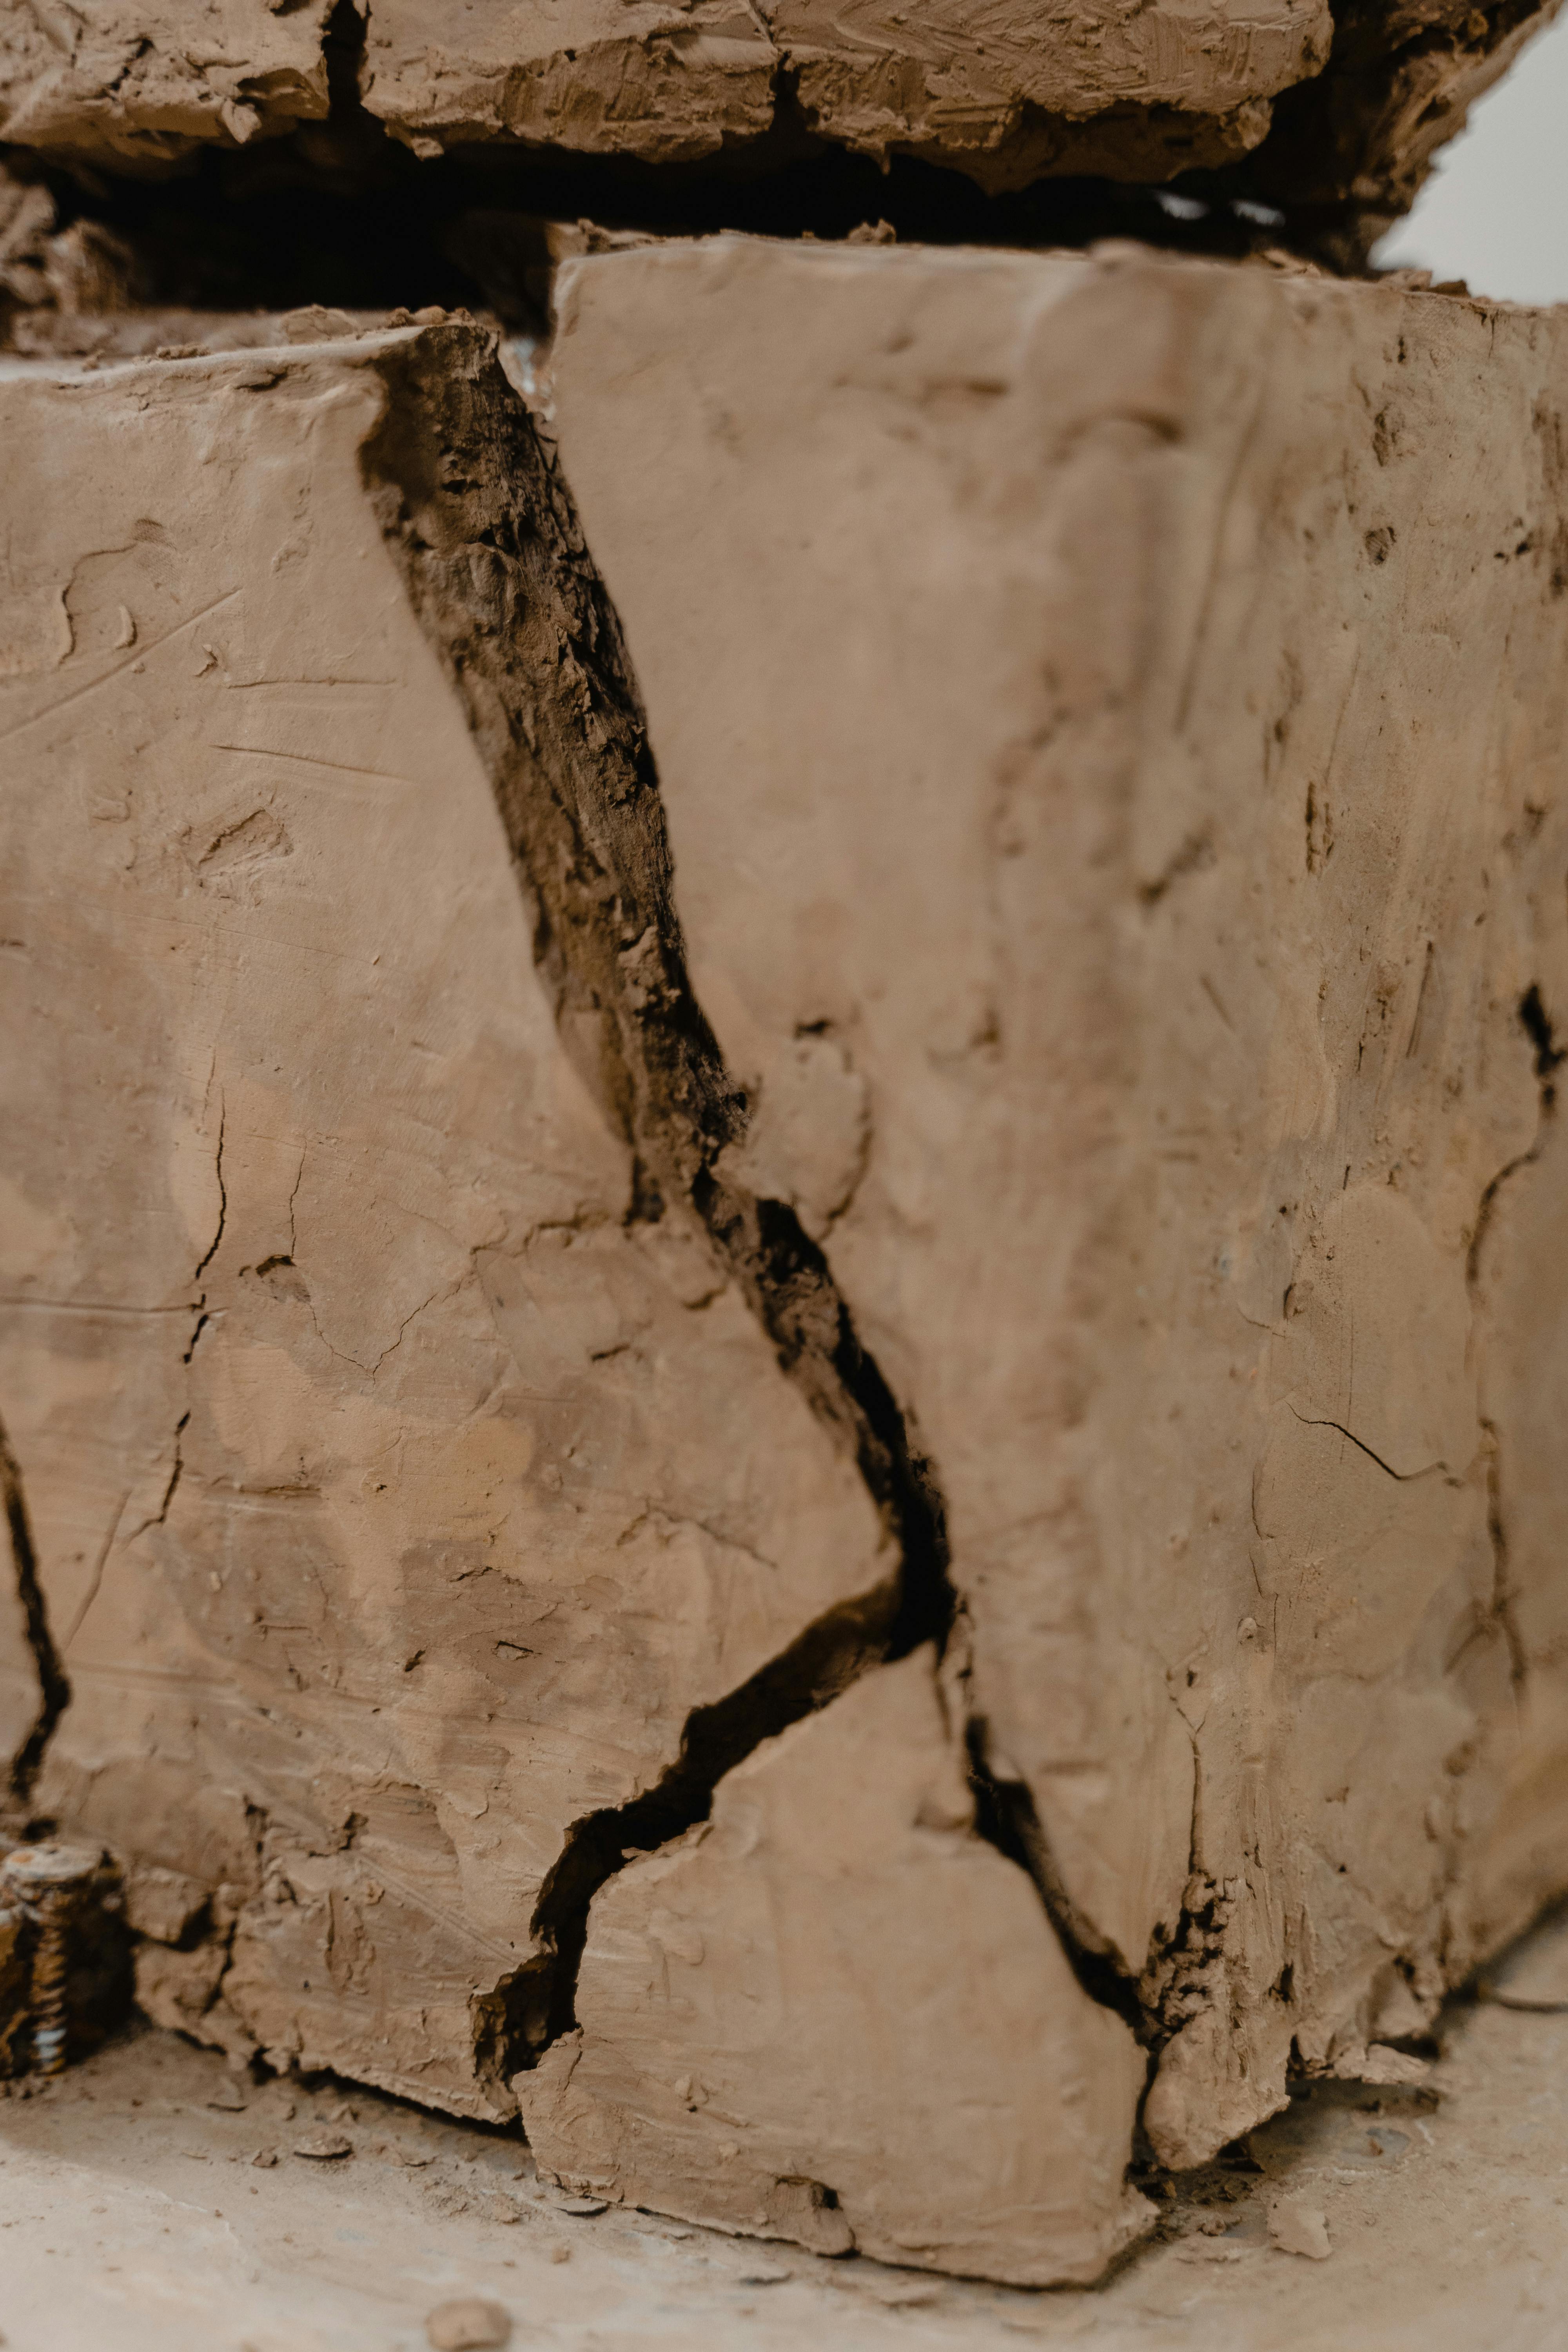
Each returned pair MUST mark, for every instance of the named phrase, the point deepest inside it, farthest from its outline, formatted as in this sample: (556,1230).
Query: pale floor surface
(133,2218)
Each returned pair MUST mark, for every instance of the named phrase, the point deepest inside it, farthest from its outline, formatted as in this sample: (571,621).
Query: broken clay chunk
(471,2324)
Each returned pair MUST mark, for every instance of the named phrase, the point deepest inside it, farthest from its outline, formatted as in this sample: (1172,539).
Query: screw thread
(49,1882)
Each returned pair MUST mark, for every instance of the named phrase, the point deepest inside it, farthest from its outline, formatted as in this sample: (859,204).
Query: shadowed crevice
(484,531)
(1537,1025)
(54,1687)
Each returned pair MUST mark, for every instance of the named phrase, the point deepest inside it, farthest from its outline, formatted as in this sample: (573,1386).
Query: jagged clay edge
(481,522)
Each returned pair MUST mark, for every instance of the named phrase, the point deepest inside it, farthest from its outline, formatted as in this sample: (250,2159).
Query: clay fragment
(1298,2228)
(765,2021)
(1339,112)
(1360,139)
(141,87)
(471,2324)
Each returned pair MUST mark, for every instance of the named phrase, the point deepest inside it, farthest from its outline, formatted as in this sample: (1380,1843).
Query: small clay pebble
(266,2157)
(470,2324)
(229,2100)
(321,2145)
(1296,2227)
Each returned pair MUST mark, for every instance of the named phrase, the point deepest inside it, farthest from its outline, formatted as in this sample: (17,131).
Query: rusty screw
(49,1882)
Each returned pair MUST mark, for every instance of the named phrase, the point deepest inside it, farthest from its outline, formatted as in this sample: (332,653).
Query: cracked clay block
(393,1500)
(1110,715)
(1008,95)
(139,87)
(969,2108)
(813,1508)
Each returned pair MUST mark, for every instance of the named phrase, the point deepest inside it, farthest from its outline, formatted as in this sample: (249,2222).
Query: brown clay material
(141,87)
(344,1468)
(1140,95)
(805,1403)
(1340,111)
(1359,141)
(1051,692)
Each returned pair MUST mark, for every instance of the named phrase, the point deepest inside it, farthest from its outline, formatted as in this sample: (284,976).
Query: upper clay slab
(1005,92)
(141,82)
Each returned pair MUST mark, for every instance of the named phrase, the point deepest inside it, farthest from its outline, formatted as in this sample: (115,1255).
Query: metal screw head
(41,1869)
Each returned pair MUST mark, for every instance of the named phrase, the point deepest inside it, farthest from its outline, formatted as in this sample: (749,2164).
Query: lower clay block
(788,1384)
(834,2013)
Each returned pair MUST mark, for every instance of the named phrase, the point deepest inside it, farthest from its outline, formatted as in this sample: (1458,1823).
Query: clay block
(1359,99)
(1110,717)
(773,2037)
(1357,104)
(791,1387)
(142,86)
(398,1492)
(1140,95)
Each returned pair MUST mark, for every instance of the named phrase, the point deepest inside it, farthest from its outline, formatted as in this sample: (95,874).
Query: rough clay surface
(1109,716)
(1142,93)
(134,2215)
(1399,84)
(1007,93)
(394,1500)
(1060,1177)
(140,86)
(788,1965)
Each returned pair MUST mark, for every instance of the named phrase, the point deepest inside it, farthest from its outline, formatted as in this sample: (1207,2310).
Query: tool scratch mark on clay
(313,760)
(107,677)
(93,1307)
(96,1580)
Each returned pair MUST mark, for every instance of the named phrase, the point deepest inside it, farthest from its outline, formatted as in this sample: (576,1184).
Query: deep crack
(483,528)
(54,1687)
(1537,1025)
(1007,1818)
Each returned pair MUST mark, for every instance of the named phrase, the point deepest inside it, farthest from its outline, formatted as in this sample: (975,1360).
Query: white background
(1495,210)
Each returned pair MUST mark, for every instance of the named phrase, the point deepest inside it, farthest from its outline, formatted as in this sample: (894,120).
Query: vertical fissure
(476,510)
(1536,1022)
(54,1687)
